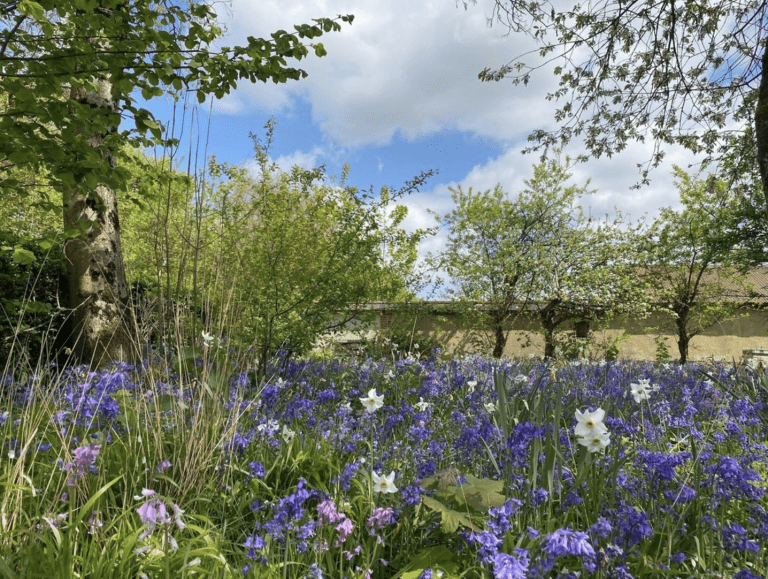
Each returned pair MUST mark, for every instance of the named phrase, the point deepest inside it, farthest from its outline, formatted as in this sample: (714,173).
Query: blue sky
(398,94)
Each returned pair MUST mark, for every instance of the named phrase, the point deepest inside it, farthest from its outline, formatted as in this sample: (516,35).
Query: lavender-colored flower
(345,528)
(380,517)
(327,512)
(254,543)
(565,542)
(509,567)
(85,457)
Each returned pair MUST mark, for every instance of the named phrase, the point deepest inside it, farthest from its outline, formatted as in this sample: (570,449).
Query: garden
(402,467)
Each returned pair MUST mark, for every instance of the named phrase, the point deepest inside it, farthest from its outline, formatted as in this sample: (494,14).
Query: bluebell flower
(510,567)
(565,542)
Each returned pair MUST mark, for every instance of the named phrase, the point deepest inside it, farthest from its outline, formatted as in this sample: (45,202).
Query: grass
(188,467)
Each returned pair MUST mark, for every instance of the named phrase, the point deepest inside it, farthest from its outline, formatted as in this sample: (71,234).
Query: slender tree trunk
(549,323)
(761,127)
(500,335)
(549,343)
(683,339)
(103,321)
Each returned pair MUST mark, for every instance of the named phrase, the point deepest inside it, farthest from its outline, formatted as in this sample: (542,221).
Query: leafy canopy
(72,69)
(685,73)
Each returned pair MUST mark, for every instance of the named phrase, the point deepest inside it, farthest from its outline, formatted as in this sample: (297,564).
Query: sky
(397,94)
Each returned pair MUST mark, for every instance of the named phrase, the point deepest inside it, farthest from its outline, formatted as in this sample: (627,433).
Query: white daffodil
(490,407)
(471,386)
(384,484)
(598,441)
(642,390)
(590,423)
(421,406)
(373,401)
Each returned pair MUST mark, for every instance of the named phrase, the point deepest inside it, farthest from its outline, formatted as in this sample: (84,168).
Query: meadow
(384,468)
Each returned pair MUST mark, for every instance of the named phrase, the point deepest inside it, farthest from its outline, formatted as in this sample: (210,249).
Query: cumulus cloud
(401,67)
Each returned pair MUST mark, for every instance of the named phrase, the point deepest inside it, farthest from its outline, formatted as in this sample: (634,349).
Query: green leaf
(449,519)
(23,256)
(485,494)
(6,570)
(30,8)
(37,307)
(438,557)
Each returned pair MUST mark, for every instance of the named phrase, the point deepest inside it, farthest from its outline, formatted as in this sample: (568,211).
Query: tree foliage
(274,261)
(112,51)
(697,260)
(71,74)
(686,73)
(536,255)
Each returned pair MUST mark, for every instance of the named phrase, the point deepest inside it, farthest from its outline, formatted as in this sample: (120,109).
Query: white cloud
(402,66)
(304,159)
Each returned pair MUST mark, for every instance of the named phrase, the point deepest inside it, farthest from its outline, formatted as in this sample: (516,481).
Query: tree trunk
(682,336)
(500,336)
(549,343)
(761,127)
(103,321)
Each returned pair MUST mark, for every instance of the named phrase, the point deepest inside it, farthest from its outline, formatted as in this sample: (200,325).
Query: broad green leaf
(449,519)
(31,8)
(23,256)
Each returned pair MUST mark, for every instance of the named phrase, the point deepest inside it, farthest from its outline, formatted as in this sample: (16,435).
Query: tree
(696,258)
(310,255)
(587,278)
(688,73)
(271,262)
(537,254)
(496,244)
(72,72)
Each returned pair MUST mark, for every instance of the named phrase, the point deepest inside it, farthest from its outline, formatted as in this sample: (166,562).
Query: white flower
(642,391)
(287,434)
(373,401)
(471,386)
(590,423)
(384,484)
(598,441)
(421,406)
(208,339)
(490,407)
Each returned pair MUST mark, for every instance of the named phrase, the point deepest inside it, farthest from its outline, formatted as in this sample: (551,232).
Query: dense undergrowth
(373,468)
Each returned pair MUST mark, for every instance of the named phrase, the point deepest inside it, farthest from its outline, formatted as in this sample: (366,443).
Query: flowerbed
(413,468)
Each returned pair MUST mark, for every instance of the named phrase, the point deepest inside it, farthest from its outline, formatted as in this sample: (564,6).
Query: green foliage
(113,52)
(682,74)
(537,254)
(33,293)
(271,263)
(694,260)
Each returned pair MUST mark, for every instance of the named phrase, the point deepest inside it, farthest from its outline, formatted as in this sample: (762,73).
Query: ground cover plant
(403,468)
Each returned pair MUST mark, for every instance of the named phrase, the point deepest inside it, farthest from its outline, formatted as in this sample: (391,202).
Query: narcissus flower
(642,390)
(596,442)
(590,423)
(373,401)
(384,484)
